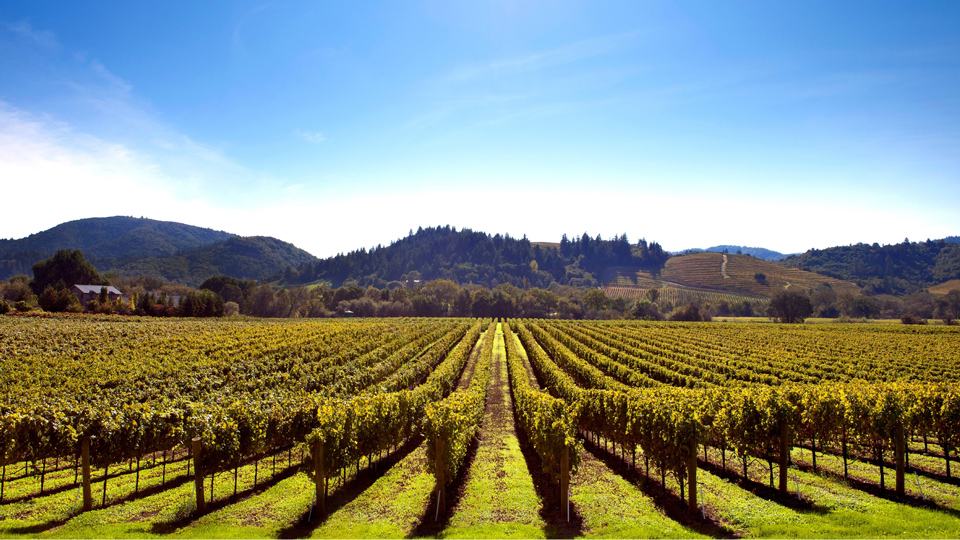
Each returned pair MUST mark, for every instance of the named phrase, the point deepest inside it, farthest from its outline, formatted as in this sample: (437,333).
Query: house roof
(87,289)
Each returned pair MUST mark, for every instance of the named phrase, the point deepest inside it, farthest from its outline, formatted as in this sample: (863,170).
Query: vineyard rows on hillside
(176,426)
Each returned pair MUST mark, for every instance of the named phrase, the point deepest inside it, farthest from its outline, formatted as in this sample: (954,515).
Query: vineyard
(707,270)
(460,427)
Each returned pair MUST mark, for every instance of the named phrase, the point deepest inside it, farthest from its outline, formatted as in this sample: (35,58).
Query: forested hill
(891,269)
(106,242)
(466,256)
(250,257)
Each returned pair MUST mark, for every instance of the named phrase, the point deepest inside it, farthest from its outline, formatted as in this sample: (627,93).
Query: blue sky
(338,126)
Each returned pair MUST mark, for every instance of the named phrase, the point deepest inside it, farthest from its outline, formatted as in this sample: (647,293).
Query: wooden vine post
(85,464)
(197,477)
(441,481)
(900,451)
(692,474)
(784,456)
(564,480)
(319,477)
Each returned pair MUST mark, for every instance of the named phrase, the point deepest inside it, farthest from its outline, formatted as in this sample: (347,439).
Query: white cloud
(313,137)
(43,38)
(52,174)
(118,83)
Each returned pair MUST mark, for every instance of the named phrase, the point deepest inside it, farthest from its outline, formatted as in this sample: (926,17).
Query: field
(467,428)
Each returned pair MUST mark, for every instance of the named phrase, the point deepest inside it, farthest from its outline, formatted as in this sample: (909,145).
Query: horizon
(337,128)
(633,241)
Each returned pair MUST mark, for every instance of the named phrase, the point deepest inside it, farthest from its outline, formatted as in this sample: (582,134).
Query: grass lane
(498,499)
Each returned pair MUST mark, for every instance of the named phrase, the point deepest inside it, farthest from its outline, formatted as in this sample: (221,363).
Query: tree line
(469,257)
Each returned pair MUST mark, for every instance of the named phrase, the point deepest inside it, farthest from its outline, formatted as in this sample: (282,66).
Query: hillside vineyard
(87,402)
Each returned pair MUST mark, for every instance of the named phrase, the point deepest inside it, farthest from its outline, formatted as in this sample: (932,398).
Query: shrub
(690,312)
(646,310)
(56,301)
(790,307)
(910,318)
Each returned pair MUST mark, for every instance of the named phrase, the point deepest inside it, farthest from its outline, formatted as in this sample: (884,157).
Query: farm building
(87,293)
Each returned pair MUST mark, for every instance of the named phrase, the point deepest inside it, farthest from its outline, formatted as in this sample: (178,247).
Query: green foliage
(240,257)
(646,310)
(456,420)
(55,301)
(892,269)
(689,313)
(549,423)
(790,307)
(65,269)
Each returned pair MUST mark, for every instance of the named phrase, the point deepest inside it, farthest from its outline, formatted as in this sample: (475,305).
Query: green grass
(499,498)
(390,508)
(130,515)
(832,509)
(612,507)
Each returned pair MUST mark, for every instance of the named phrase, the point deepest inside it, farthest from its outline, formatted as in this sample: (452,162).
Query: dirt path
(723,267)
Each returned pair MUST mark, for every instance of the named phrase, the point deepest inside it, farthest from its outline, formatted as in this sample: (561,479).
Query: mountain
(106,242)
(952,239)
(240,257)
(902,268)
(758,252)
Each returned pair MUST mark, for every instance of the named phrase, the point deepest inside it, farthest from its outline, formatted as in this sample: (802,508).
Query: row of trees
(795,306)
(225,295)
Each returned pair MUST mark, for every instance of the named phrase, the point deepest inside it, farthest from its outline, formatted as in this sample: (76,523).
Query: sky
(337,126)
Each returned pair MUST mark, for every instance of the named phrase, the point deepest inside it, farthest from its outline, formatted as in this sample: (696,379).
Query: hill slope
(707,270)
(240,257)
(106,242)
(467,256)
(892,269)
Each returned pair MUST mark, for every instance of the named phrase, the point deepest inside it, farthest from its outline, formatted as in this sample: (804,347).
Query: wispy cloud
(117,82)
(539,60)
(43,38)
(237,39)
(313,137)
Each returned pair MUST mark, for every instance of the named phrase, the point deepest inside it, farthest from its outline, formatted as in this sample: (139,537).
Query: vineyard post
(197,477)
(319,476)
(899,450)
(692,474)
(784,455)
(441,482)
(564,479)
(85,463)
